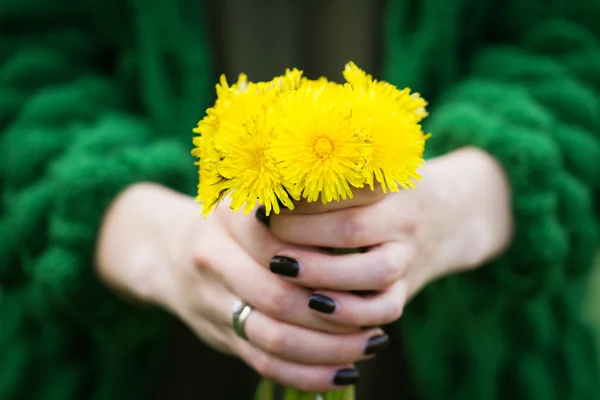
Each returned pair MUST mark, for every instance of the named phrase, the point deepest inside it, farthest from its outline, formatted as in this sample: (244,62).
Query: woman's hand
(155,248)
(458,217)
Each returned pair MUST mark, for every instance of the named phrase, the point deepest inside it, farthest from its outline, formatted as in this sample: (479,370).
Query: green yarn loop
(531,99)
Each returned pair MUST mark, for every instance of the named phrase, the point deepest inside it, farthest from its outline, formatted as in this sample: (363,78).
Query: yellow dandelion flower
(389,119)
(230,146)
(291,137)
(291,80)
(219,112)
(250,172)
(314,143)
(237,98)
(364,84)
(210,189)
(210,186)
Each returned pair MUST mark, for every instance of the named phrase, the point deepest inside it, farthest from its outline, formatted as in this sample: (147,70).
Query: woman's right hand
(155,248)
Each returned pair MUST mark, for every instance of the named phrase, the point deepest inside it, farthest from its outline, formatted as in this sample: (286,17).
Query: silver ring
(241,311)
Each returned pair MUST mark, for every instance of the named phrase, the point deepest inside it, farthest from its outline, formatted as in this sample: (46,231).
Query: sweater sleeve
(526,89)
(74,135)
(536,108)
(533,104)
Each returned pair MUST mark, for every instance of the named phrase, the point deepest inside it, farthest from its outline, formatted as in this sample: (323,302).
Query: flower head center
(322,147)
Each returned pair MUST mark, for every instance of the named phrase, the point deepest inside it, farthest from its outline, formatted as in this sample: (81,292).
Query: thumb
(361,197)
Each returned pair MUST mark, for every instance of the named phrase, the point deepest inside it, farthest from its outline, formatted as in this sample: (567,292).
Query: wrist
(141,233)
(475,186)
(492,219)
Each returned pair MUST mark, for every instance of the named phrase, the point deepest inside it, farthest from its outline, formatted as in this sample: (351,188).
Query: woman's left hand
(457,218)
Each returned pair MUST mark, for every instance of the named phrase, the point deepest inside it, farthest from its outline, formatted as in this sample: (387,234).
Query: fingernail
(364,293)
(322,303)
(285,266)
(344,377)
(261,215)
(377,344)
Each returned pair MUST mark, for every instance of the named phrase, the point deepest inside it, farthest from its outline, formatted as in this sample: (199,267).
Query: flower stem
(266,391)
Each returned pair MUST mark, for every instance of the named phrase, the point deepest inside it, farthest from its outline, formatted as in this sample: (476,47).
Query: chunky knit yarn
(520,79)
(96,95)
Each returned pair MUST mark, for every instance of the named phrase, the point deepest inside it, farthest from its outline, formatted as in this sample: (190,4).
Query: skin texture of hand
(155,248)
(457,218)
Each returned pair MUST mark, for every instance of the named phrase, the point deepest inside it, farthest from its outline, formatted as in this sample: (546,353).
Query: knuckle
(274,341)
(354,231)
(202,258)
(352,318)
(390,267)
(393,312)
(276,302)
(264,365)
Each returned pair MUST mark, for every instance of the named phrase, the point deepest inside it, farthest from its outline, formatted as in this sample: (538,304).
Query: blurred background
(318,37)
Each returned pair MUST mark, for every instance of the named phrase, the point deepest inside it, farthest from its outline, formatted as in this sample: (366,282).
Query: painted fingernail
(261,215)
(285,266)
(377,344)
(322,303)
(344,377)
(364,293)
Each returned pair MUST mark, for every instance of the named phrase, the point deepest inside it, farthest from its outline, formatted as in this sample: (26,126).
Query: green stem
(266,388)
(266,391)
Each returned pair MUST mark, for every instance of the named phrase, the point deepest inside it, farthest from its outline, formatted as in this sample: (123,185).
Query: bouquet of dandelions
(294,138)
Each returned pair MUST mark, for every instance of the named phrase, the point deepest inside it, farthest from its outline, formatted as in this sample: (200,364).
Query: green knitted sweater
(96,95)
(523,82)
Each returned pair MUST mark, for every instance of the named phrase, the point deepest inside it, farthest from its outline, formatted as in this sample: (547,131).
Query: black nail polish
(261,215)
(345,377)
(377,344)
(322,303)
(285,266)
